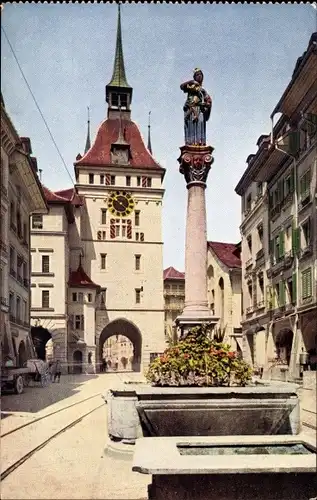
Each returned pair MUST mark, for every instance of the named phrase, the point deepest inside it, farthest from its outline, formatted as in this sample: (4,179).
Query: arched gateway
(127,329)
(40,336)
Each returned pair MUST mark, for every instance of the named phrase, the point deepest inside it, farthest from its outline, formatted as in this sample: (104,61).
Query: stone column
(195,163)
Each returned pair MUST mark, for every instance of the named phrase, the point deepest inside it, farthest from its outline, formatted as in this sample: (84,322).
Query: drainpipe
(295,339)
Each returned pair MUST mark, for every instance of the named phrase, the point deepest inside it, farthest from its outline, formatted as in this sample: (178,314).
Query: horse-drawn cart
(15,378)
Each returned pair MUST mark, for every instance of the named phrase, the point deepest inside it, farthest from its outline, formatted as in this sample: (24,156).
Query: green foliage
(198,360)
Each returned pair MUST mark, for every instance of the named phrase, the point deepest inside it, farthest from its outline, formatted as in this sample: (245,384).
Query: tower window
(138,296)
(112,180)
(102,179)
(138,181)
(128,180)
(37,221)
(45,263)
(137,262)
(91,178)
(45,299)
(103,216)
(103,261)
(137,218)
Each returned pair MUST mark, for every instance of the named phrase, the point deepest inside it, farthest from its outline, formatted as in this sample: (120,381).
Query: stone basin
(202,411)
(251,468)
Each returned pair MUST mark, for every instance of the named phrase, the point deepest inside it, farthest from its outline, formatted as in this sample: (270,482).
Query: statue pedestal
(195,163)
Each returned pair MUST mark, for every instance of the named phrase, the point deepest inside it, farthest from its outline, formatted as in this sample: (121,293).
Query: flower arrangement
(199,360)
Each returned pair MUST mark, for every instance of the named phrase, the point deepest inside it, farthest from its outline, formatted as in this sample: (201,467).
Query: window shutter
(129,230)
(112,229)
(282,246)
(304,285)
(295,239)
(271,200)
(144,182)
(294,287)
(108,179)
(281,299)
(268,297)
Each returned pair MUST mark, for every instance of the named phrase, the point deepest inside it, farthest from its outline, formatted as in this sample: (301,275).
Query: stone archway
(40,337)
(22,354)
(127,329)
(283,343)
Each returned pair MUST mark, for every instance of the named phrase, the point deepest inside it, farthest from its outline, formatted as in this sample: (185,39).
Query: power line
(38,107)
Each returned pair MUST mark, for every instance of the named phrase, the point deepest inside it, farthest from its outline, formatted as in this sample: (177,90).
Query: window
(80,297)
(45,299)
(103,216)
(103,296)
(19,225)
(79,322)
(137,218)
(138,296)
(12,261)
(250,290)
(141,236)
(45,263)
(306,283)
(25,312)
(291,292)
(12,215)
(259,189)
(74,297)
(261,284)
(148,182)
(103,261)
(138,181)
(102,179)
(91,178)
(18,309)
(112,180)
(277,248)
(128,180)
(304,185)
(25,232)
(248,203)
(37,221)
(249,241)
(260,232)
(306,233)
(89,297)
(11,304)
(137,262)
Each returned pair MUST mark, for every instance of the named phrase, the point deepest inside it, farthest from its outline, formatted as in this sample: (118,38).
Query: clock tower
(119,229)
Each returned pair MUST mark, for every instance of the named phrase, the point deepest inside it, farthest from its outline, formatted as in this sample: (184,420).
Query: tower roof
(118,76)
(100,151)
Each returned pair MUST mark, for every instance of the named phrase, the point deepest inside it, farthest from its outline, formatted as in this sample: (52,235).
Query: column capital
(195,162)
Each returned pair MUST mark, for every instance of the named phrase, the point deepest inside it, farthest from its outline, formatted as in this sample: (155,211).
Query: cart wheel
(26,380)
(18,385)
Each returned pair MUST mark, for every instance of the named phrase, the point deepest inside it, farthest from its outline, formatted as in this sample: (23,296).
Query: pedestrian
(57,371)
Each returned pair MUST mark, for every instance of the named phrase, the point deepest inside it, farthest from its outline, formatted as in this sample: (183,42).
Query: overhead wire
(38,107)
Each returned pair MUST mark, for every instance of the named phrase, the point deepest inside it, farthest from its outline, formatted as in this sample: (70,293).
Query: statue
(196,110)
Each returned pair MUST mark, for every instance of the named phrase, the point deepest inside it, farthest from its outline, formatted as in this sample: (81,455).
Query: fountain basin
(203,411)
(251,467)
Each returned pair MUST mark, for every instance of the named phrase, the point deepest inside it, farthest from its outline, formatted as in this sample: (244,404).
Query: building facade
(224,292)
(21,195)
(279,265)
(224,289)
(174,299)
(110,240)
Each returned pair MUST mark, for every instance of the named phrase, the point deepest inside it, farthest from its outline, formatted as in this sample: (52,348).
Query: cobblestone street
(79,451)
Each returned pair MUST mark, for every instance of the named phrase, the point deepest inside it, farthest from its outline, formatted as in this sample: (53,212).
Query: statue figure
(196,110)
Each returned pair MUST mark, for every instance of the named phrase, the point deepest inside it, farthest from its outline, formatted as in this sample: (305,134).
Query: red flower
(186,356)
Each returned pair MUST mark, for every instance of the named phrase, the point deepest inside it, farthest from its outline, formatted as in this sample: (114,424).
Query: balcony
(259,258)
(305,200)
(248,264)
(289,308)
(288,200)
(278,312)
(25,243)
(26,283)
(280,264)
(20,279)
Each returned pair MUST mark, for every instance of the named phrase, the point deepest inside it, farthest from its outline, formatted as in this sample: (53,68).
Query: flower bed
(201,361)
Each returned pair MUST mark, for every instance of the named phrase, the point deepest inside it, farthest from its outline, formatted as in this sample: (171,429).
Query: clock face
(120,203)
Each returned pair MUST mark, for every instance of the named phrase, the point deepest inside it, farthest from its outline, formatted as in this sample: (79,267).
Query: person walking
(58,371)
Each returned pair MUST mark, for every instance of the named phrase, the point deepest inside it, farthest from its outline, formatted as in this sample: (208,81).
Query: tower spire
(149,145)
(118,76)
(118,91)
(88,143)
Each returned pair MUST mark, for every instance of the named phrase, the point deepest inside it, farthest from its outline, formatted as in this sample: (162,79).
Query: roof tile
(226,253)
(80,279)
(172,274)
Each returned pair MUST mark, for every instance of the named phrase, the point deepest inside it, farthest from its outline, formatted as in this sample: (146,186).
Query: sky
(66,51)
